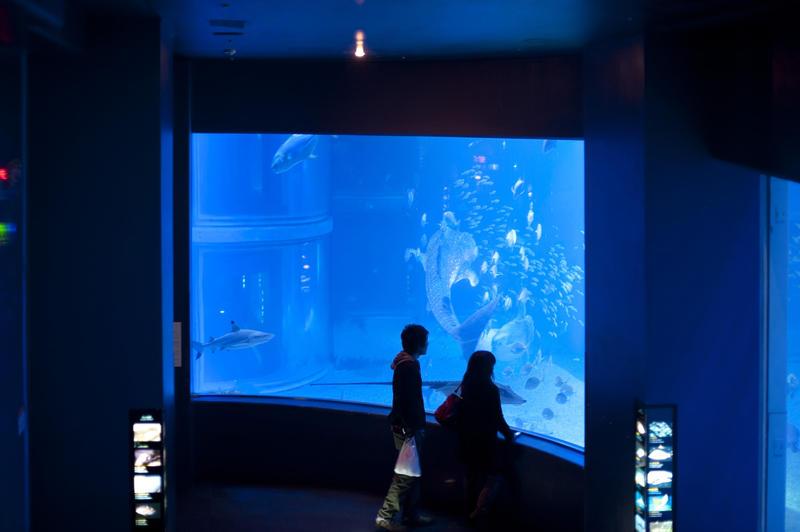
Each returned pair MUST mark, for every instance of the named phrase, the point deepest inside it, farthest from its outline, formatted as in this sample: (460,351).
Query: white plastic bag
(408,459)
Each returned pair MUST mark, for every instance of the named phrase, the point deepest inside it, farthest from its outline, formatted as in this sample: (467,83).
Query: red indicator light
(3,174)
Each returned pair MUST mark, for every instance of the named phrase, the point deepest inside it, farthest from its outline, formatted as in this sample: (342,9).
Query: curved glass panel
(479,240)
(233,182)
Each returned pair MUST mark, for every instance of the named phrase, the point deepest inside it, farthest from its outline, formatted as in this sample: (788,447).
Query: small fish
(560,382)
(792,438)
(527,368)
(509,371)
(493,271)
(450,219)
(424,220)
(532,383)
(791,384)
(507,303)
(529,218)
(485,298)
(548,145)
(561,398)
(538,232)
(524,296)
(495,257)
(484,267)
(547,413)
(516,189)
(410,195)
(517,347)
(511,238)
(566,389)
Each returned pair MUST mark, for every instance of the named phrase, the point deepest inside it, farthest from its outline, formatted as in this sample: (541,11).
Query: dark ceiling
(396,29)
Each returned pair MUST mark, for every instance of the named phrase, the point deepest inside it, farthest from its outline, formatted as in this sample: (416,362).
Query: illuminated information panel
(147,465)
(655,469)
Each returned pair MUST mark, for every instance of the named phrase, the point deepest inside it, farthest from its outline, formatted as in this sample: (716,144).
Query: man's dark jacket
(408,410)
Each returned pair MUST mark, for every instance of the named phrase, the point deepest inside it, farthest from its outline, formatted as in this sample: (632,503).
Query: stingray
(507,395)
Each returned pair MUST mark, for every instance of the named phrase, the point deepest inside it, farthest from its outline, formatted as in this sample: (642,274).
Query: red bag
(447,413)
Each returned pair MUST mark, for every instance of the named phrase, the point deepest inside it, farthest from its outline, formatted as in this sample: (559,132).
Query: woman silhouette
(480,419)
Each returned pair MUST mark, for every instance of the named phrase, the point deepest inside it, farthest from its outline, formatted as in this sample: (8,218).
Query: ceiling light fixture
(360,44)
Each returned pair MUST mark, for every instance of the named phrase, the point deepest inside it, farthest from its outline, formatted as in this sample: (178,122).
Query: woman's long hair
(479,372)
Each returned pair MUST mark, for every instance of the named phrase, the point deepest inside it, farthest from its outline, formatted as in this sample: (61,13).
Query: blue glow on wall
(319,260)
(792,392)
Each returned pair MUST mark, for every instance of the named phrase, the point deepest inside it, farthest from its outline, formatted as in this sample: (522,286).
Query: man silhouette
(400,507)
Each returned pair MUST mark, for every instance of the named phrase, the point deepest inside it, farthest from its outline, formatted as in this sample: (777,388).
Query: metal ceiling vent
(218,23)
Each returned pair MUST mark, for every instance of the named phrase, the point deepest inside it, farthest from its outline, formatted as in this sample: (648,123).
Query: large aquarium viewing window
(783,375)
(310,253)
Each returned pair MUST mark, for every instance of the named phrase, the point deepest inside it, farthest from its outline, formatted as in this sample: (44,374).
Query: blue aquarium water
(310,253)
(792,387)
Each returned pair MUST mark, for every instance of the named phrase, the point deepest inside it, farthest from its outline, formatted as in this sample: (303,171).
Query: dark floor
(218,508)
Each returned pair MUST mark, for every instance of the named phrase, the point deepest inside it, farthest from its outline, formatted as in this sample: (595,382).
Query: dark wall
(703,257)
(281,443)
(97,281)
(673,260)
(12,399)
(510,98)
(182,384)
(615,277)
(752,112)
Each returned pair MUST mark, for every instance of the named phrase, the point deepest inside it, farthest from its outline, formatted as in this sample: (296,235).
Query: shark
(446,261)
(507,395)
(236,339)
(294,150)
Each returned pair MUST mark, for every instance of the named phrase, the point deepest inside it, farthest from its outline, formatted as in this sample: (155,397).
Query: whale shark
(294,150)
(236,339)
(446,261)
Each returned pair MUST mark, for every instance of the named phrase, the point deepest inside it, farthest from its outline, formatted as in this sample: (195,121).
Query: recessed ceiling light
(359,44)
